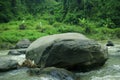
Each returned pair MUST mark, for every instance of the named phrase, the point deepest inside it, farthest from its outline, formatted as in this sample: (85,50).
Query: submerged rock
(7,64)
(53,73)
(22,51)
(68,50)
(17,51)
(13,52)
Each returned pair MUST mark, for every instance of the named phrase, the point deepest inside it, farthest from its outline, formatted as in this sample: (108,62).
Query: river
(110,71)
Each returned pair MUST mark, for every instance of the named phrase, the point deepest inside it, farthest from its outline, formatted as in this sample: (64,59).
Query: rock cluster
(20,47)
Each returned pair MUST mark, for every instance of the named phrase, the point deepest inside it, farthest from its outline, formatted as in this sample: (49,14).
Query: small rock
(7,64)
(118,50)
(13,52)
(23,44)
(17,52)
(109,43)
(22,51)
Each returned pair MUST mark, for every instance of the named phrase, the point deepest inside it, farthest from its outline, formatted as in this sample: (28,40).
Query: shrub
(117,32)
(4,18)
(22,26)
(71,18)
(68,28)
(51,21)
(14,36)
(57,24)
(4,27)
(51,31)
(89,29)
(104,33)
(49,18)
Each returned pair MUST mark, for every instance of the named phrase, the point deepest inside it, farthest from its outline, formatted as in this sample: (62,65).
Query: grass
(13,36)
(10,32)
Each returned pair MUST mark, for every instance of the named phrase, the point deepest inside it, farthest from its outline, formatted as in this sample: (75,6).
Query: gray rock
(68,50)
(53,73)
(17,52)
(7,64)
(109,43)
(13,52)
(23,44)
(22,51)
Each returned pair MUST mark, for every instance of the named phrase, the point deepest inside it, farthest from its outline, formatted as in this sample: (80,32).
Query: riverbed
(110,71)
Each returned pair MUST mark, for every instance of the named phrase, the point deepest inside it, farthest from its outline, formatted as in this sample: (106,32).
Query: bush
(4,18)
(68,28)
(51,21)
(71,18)
(51,31)
(107,31)
(57,24)
(22,26)
(49,18)
(14,36)
(4,27)
(117,32)
(43,28)
(104,33)
(88,27)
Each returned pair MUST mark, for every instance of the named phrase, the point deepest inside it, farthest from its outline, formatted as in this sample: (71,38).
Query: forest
(97,19)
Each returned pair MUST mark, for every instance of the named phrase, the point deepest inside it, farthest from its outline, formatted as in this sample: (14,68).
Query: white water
(19,58)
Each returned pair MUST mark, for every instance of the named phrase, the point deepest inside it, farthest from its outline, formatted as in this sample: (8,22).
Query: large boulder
(7,64)
(24,43)
(52,73)
(67,50)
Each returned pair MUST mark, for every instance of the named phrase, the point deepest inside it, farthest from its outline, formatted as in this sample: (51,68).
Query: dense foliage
(69,11)
(98,19)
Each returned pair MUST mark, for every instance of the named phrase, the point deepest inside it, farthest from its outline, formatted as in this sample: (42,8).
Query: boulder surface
(67,50)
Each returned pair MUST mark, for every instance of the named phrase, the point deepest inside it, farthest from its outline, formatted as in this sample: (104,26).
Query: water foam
(116,67)
(48,78)
(114,50)
(108,77)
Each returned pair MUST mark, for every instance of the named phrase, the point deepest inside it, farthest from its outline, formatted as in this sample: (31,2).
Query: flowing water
(110,71)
